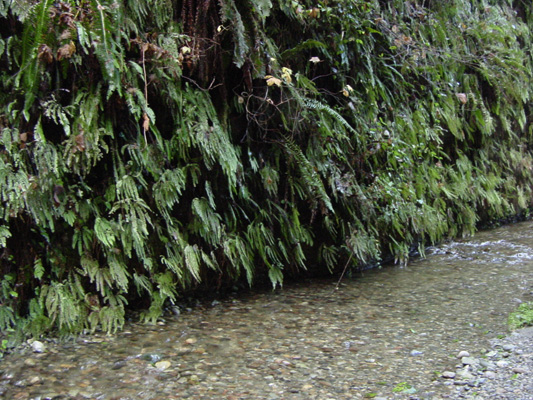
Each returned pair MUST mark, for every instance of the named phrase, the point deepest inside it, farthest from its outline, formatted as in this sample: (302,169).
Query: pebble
(502,363)
(162,365)
(469,361)
(118,365)
(463,353)
(490,374)
(465,375)
(278,346)
(30,362)
(34,380)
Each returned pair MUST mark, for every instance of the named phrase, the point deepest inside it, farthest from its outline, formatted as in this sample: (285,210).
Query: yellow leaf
(286,71)
(347,91)
(286,74)
(271,80)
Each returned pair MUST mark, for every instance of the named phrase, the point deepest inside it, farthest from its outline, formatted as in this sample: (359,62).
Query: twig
(343,272)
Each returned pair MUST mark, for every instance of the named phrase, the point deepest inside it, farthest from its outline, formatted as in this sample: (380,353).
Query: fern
(313,183)
(34,35)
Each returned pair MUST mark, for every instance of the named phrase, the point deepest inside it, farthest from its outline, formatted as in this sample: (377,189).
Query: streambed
(386,333)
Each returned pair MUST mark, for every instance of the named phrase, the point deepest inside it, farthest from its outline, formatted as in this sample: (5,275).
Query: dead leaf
(462,97)
(66,51)
(314,12)
(80,142)
(45,54)
(65,35)
(146,122)
(347,91)
(271,80)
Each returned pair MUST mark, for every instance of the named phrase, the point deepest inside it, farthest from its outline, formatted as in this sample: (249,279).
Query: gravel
(505,372)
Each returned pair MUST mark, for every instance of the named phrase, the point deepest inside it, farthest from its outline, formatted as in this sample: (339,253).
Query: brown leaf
(80,142)
(66,51)
(146,122)
(314,12)
(45,54)
(66,35)
(462,97)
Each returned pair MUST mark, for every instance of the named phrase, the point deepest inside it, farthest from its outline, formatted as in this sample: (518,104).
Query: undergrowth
(152,148)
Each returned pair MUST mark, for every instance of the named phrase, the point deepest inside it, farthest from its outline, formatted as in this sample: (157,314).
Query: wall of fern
(151,148)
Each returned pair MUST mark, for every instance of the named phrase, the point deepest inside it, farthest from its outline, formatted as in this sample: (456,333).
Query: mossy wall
(149,148)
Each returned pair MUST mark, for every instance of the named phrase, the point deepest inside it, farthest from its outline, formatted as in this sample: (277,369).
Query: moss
(522,316)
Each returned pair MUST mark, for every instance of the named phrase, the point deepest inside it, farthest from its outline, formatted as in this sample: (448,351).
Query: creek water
(381,331)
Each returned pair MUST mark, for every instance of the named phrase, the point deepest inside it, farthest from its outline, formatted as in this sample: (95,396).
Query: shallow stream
(382,331)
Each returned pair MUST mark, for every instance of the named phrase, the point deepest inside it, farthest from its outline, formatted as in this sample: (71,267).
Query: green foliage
(522,316)
(404,387)
(148,149)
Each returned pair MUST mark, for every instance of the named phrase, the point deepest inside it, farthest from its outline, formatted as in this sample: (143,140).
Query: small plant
(404,387)
(3,347)
(370,395)
(523,316)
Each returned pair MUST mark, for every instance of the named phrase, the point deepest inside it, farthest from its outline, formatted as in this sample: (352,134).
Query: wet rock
(162,365)
(255,364)
(118,365)
(34,380)
(38,347)
(183,350)
(30,362)
(22,383)
(151,357)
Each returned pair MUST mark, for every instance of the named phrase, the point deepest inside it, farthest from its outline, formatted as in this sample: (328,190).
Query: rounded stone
(162,365)
(448,374)
(38,347)
(490,374)
(469,361)
(502,363)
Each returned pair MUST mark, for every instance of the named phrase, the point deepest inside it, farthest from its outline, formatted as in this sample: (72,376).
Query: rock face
(503,373)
